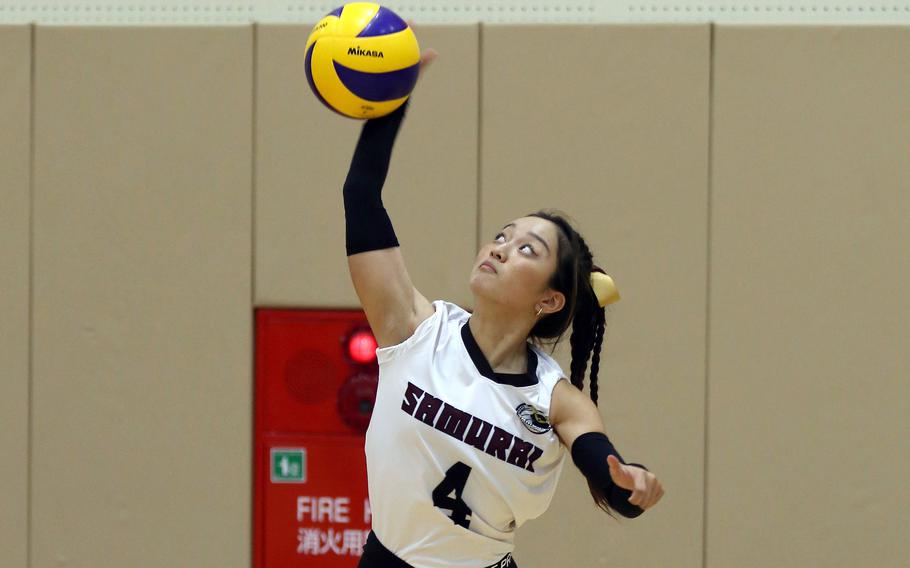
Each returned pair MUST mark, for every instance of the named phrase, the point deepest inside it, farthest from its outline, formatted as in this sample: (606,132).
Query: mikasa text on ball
(362,60)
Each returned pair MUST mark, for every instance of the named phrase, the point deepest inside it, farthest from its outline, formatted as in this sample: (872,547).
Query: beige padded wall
(15,140)
(303,152)
(809,397)
(610,124)
(142,350)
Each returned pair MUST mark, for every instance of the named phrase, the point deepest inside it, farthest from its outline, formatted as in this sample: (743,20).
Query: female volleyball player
(466,438)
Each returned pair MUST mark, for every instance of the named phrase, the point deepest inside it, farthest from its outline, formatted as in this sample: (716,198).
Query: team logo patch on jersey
(533,419)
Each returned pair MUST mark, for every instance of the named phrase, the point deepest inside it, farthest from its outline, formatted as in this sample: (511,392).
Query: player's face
(515,265)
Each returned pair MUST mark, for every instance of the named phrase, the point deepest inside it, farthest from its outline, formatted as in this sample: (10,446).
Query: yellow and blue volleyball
(362,60)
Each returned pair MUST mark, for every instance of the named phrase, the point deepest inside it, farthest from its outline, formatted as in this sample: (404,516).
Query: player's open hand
(646,489)
(427,56)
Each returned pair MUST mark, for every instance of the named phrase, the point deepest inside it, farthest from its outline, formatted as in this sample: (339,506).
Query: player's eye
(530,247)
(496,238)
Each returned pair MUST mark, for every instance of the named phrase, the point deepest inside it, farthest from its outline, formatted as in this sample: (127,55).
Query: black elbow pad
(367,224)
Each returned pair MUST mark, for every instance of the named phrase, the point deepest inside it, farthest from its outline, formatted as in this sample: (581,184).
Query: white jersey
(458,456)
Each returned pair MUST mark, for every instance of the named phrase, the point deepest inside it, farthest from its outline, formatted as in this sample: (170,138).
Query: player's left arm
(581,429)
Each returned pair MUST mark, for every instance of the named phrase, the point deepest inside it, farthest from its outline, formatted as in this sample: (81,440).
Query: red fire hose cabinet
(315,384)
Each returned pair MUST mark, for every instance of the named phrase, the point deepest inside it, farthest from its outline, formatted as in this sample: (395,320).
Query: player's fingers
(639,492)
(645,498)
(648,501)
(659,493)
(656,492)
(427,58)
(641,486)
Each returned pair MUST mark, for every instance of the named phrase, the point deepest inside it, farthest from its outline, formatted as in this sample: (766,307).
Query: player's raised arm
(392,304)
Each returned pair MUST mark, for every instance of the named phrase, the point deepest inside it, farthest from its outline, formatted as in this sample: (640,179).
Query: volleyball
(362,60)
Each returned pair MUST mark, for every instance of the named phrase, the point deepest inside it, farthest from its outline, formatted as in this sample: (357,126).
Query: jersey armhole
(552,390)
(390,352)
(553,369)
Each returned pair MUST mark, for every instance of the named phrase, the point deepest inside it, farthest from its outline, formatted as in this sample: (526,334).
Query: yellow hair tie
(604,289)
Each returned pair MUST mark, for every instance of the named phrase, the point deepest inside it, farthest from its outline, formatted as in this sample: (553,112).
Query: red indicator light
(362,347)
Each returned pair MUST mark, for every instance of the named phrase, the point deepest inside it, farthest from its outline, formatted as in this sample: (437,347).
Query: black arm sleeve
(589,452)
(367,224)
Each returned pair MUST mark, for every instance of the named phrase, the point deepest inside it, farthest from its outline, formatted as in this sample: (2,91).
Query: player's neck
(502,340)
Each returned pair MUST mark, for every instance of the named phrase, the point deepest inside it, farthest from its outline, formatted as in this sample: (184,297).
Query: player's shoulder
(547,367)
(445,318)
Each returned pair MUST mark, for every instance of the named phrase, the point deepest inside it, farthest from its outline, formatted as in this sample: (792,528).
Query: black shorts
(375,555)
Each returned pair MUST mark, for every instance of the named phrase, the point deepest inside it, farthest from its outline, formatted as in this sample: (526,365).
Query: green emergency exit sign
(288,465)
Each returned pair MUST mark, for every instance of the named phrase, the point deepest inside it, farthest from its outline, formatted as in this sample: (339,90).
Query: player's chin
(481,285)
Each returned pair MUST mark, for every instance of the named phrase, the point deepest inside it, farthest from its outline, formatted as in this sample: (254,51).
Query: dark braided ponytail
(582,311)
(572,277)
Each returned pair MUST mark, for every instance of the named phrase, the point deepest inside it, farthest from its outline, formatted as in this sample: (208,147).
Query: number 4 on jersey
(454,482)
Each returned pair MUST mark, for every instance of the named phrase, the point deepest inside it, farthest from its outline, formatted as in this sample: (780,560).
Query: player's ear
(554,301)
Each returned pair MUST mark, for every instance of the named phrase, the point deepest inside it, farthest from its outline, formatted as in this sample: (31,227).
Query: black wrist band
(589,452)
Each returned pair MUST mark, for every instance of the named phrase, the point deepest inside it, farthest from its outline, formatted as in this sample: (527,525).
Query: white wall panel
(126,12)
